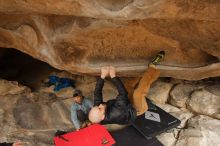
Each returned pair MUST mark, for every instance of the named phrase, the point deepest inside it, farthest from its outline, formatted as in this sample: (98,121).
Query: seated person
(127,105)
(17,143)
(80,109)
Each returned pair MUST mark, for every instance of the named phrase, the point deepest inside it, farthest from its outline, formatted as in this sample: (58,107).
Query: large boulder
(180,94)
(80,36)
(159,91)
(11,87)
(40,111)
(200,131)
(204,102)
(214,88)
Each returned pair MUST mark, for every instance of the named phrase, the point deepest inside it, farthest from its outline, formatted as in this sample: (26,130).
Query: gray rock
(200,131)
(169,137)
(28,114)
(42,114)
(159,91)
(180,94)
(204,102)
(214,89)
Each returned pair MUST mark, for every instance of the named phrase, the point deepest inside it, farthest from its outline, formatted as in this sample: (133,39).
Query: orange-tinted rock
(82,36)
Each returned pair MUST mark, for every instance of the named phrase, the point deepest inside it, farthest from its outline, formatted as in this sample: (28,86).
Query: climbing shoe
(158,58)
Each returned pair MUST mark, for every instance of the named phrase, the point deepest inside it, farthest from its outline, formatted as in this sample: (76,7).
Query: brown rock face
(80,36)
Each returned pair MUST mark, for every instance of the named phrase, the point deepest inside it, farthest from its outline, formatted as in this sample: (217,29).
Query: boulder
(159,91)
(201,131)
(46,115)
(81,36)
(170,137)
(204,102)
(214,88)
(180,94)
(11,87)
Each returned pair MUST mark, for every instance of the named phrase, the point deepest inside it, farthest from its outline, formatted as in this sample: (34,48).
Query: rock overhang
(126,34)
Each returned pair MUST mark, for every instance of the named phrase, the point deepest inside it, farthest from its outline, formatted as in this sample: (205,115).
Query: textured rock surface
(214,88)
(35,116)
(170,137)
(11,87)
(159,92)
(80,36)
(180,94)
(204,102)
(201,131)
(1,117)
(122,9)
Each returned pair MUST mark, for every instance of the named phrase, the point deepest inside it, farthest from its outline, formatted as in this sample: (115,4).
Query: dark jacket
(6,144)
(119,110)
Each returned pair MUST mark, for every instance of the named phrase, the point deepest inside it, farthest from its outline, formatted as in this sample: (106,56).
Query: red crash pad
(94,135)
